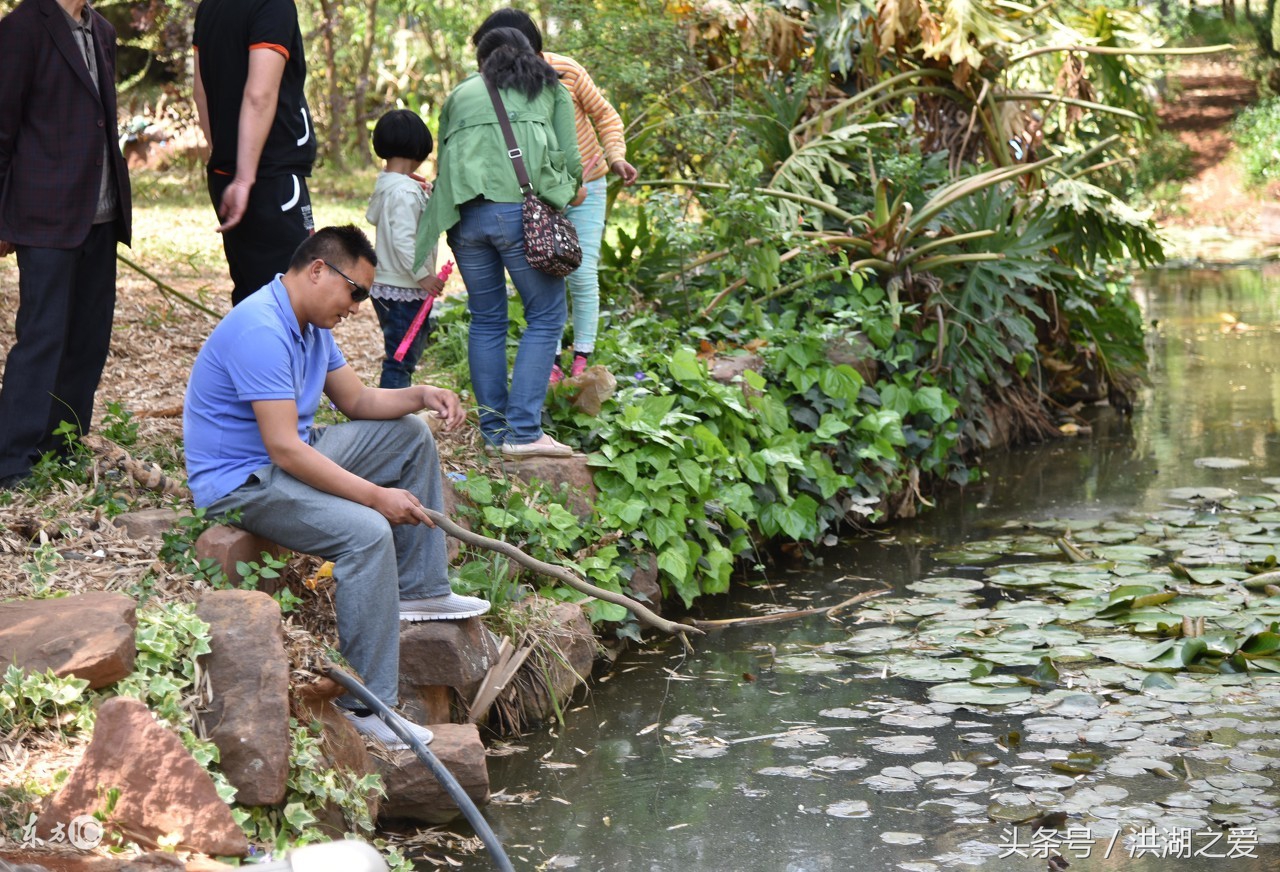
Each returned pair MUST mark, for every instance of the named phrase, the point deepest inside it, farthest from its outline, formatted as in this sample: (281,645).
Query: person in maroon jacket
(64,204)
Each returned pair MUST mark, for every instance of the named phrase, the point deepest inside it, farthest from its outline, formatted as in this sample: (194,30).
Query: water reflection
(673,761)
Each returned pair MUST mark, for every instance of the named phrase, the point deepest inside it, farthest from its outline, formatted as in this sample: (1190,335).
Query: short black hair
(517,19)
(342,246)
(402,133)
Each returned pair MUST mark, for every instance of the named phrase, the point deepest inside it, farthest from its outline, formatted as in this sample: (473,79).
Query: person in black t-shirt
(250,72)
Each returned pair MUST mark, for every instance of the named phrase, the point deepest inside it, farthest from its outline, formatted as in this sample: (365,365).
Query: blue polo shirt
(257,352)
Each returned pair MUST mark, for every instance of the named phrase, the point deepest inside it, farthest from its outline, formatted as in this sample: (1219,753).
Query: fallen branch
(791,732)
(164,412)
(778,617)
(167,289)
(643,614)
(1118,50)
(149,475)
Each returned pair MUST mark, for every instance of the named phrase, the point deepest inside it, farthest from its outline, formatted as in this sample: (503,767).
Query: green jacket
(473,158)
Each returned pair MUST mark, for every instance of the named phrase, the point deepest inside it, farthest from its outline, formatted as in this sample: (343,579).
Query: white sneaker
(450,607)
(373,727)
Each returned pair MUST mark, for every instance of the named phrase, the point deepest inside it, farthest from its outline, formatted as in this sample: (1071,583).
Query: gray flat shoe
(544,447)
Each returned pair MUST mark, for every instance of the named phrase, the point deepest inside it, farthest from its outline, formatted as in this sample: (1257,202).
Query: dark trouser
(66,302)
(396,316)
(276,222)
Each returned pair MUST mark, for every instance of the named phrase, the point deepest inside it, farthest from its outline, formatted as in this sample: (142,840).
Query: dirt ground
(1207,93)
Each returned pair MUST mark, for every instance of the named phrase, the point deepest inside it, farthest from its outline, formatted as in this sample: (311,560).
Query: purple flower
(641,376)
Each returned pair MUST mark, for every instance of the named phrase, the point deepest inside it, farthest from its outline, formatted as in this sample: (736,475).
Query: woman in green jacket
(477,202)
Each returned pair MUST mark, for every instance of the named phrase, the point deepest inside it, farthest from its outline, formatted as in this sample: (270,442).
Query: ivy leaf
(685,367)
(298,816)
(830,426)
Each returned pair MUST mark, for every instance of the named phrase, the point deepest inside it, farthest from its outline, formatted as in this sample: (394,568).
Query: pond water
(868,742)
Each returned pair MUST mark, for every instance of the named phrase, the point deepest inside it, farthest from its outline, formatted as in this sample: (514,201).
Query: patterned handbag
(550,239)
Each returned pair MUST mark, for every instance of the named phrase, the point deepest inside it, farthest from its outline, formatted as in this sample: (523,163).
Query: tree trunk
(333,134)
(359,107)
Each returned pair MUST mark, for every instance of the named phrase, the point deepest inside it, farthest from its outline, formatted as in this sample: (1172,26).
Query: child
(402,140)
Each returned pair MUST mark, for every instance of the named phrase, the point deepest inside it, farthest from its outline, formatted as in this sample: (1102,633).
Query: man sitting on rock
(353,493)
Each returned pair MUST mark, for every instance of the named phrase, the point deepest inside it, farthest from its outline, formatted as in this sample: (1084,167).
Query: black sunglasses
(359,293)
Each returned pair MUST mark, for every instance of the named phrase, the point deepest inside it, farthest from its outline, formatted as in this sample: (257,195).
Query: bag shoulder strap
(513,147)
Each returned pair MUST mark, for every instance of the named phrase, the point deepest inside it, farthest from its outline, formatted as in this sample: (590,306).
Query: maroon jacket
(53,125)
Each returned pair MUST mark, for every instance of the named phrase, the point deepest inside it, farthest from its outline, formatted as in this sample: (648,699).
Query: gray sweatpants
(375,565)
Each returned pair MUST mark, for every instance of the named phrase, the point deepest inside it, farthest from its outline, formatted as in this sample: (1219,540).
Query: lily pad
(1044,782)
(1220,462)
(1201,493)
(801,739)
(850,808)
(926,668)
(892,838)
(946,585)
(908,744)
(968,693)
(1130,650)
(838,764)
(956,768)
(1013,808)
(788,771)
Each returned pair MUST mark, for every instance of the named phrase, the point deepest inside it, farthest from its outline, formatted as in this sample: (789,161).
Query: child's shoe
(579,365)
(557,374)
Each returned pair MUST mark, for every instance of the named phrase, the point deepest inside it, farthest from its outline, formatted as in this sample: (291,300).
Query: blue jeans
(584,282)
(488,238)
(395,316)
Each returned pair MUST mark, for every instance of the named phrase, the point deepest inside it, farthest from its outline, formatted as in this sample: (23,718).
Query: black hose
(443,775)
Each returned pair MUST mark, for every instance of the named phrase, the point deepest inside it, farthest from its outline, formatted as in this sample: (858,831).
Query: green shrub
(1257,133)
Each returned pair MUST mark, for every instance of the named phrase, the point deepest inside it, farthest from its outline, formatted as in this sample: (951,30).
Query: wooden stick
(643,614)
(173,292)
(509,663)
(787,616)
(149,475)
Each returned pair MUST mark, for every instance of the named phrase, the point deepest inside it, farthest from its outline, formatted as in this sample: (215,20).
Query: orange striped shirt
(593,115)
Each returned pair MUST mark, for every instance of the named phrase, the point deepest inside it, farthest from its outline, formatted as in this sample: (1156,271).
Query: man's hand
(235,202)
(625,171)
(444,403)
(6,248)
(399,506)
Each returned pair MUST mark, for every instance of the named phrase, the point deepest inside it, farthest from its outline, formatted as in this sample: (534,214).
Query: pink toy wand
(421,318)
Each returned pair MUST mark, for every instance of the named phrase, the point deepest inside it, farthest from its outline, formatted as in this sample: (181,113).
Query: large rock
(163,791)
(149,523)
(644,582)
(413,794)
(565,628)
(570,474)
(158,861)
(855,349)
(439,657)
(248,717)
(229,545)
(90,636)
(731,367)
(343,748)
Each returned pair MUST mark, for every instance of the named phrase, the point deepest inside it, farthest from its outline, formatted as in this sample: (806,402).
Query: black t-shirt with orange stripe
(225,32)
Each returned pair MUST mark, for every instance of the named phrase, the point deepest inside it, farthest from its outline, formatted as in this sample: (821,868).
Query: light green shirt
(473,154)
